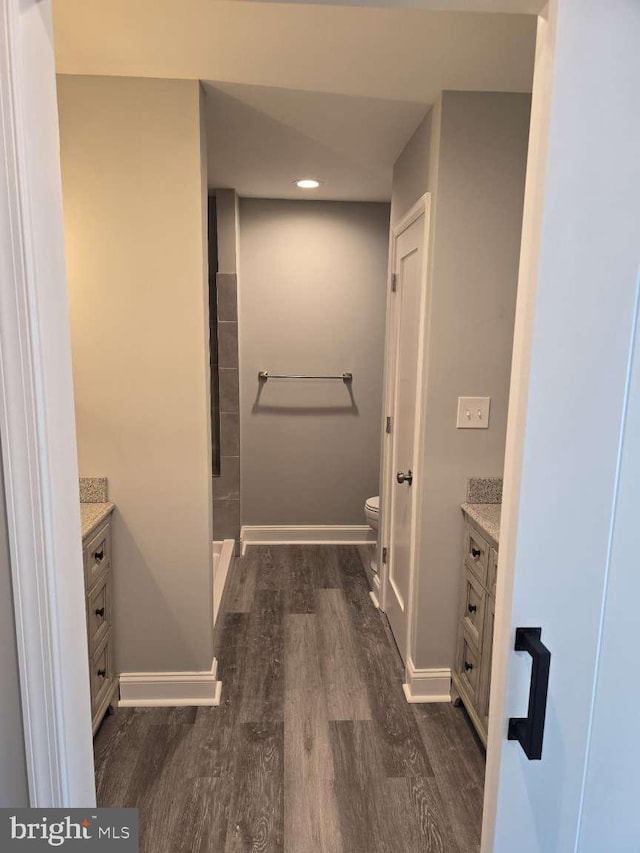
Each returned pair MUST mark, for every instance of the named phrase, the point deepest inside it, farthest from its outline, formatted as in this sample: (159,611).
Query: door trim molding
(533,213)
(421,208)
(170,689)
(37,429)
(426,685)
(299,534)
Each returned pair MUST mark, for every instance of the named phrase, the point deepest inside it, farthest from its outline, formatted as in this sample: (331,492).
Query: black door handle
(529,730)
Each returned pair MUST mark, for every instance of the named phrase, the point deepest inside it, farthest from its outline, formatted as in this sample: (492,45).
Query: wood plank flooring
(314,747)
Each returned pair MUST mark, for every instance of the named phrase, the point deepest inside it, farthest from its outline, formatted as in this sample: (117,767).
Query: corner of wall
(204,193)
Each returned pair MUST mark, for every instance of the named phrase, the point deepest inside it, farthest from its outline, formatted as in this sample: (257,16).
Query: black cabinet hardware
(529,730)
(468,666)
(100,611)
(101,673)
(475,553)
(472,608)
(99,556)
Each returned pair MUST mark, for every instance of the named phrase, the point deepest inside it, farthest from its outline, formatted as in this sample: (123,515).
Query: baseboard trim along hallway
(170,689)
(319,534)
(427,685)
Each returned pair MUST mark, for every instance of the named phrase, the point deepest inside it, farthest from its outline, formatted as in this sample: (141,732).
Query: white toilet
(372,512)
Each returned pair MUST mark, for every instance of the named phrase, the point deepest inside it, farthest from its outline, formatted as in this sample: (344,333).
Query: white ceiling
(330,91)
(260,140)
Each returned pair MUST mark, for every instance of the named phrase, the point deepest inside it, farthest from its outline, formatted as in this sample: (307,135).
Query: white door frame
(37,428)
(518,396)
(421,208)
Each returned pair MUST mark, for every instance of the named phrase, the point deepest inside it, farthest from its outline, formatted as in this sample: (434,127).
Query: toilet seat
(373,504)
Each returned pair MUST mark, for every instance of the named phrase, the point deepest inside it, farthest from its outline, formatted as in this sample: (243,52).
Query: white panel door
(408,254)
(569,541)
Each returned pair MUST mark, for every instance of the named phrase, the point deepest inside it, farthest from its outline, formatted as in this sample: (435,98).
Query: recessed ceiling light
(308,184)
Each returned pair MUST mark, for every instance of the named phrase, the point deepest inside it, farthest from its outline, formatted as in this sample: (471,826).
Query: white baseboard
(320,534)
(427,685)
(222,559)
(170,689)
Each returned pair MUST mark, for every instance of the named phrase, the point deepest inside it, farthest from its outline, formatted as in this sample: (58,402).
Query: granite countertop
(92,515)
(487,517)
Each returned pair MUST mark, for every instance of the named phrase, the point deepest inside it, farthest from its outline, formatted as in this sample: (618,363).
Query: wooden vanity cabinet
(96,549)
(471,676)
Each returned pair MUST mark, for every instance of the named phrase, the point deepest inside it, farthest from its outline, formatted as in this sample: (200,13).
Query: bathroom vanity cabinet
(472,671)
(96,547)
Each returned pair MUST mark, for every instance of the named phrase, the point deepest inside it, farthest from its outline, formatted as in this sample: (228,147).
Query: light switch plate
(473,412)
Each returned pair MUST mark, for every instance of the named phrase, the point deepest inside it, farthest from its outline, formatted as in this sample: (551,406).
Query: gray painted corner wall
(13,771)
(477,168)
(132,181)
(312,300)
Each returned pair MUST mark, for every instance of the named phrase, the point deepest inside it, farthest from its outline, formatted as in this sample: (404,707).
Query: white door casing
(37,420)
(404,370)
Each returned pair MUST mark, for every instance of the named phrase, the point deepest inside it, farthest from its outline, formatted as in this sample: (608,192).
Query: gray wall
(13,771)
(312,300)
(135,230)
(411,169)
(478,186)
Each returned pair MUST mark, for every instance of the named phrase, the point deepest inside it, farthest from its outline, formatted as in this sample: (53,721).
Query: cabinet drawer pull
(101,673)
(100,611)
(99,556)
(472,608)
(468,666)
(475,553)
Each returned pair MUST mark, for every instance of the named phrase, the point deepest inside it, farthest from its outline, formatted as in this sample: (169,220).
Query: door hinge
(388,426)
(394,282)
(384,556)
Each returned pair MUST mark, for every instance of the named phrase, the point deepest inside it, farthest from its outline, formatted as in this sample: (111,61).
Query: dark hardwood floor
(314,747)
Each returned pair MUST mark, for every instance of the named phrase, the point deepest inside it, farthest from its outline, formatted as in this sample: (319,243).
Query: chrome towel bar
(263,375)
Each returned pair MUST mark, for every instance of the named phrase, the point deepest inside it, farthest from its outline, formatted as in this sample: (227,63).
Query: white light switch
(473,412)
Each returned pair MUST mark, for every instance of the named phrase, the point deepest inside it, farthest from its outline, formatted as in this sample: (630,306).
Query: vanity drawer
(476,552)
(469,666)
(101,673)
(99,609)
(97,555)
(492,571)
(473,604)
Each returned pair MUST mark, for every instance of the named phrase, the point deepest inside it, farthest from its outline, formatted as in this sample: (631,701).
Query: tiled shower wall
(226,486)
